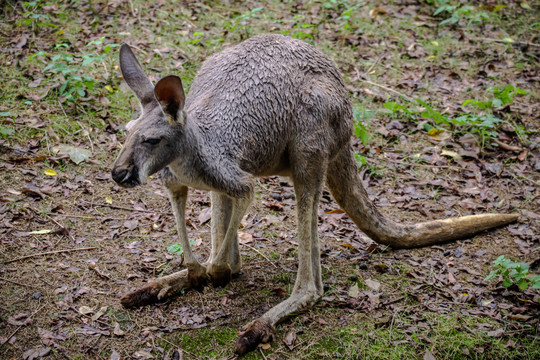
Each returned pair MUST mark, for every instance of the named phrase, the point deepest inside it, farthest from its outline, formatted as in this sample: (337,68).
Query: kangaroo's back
(259,99)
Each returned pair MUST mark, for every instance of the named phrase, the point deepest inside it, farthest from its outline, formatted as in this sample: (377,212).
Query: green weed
(458,12)
(177,248)
(482,122)
(73,71)
(34,17)
(514,273)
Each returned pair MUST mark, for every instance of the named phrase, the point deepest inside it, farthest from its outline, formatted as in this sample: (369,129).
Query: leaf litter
(412,174)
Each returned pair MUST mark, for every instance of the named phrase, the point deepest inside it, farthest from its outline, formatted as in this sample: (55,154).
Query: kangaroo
(271,105)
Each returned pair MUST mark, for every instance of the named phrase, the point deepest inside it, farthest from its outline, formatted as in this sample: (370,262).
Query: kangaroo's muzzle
(126,177)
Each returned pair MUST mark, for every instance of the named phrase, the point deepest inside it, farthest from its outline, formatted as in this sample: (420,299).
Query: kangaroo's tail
(346,186)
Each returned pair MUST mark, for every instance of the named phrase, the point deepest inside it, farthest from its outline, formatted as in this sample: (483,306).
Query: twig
(128,209)
(38,276)
(422,165)
(387,89)
(48,253)
(508,42)
(262,353)
(16,283)
(374,64)
(390,331)
(260,253)
(61,226)
(508,147)
(17,329)
(178,347)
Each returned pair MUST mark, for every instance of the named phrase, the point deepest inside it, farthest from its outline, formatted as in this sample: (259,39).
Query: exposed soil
(73,243)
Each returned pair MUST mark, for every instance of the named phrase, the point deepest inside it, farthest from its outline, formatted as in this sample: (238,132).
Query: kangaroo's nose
(119,175)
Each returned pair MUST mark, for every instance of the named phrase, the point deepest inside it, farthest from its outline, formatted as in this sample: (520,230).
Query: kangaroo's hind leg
(308,288)
(225,257)
(222,207)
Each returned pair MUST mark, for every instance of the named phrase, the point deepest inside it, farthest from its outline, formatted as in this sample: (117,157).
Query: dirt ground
(73,242)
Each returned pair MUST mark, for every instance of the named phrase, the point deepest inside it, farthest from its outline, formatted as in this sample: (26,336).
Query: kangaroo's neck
(197,163)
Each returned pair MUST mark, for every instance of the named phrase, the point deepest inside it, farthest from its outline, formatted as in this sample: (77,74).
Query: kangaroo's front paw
(220,274)
(144,296)
(258,331)
(197,276)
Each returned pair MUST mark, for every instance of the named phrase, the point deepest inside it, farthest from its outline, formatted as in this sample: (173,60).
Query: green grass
(398,336)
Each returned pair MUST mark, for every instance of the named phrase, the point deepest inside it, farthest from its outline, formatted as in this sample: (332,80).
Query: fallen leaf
(205,215)
(279,292)
(35,83)
(452,154)
(373,284)
(131,224)
(496,333)
(244,238)
(376,12)
(435,131)
(143,354)
(99,313)
(290,339)
(35,353)
(21,319)
(50,172)
(76,154)
(428,355)
(354,291)
(117,330)
(40,232)
(274,206)
(85,310)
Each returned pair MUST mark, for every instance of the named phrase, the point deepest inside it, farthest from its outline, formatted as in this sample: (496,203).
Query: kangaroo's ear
(170,94)
(135,77)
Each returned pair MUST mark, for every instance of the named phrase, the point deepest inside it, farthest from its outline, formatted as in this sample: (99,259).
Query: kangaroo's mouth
(127,178)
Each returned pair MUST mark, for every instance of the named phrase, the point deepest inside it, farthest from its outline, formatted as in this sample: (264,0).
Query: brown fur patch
(197,276)
(141,297)
(258,331)
(220,275)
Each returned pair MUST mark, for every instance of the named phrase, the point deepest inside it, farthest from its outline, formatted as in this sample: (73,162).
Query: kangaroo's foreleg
(308,287)
(196,272)
(225,256)
(194,277)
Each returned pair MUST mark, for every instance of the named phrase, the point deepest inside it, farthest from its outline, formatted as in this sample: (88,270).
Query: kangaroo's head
(152,140)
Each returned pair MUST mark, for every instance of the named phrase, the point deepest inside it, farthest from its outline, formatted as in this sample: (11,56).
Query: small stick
(16,283)
(375,63)
(388,89)
(508,42)
(48,253)
(56,222)
(390,331)
(178,347)
(262,353)
(508,147)
(128,209)
(260,253)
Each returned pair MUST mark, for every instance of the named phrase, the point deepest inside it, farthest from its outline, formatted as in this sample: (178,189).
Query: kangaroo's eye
(152,141)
